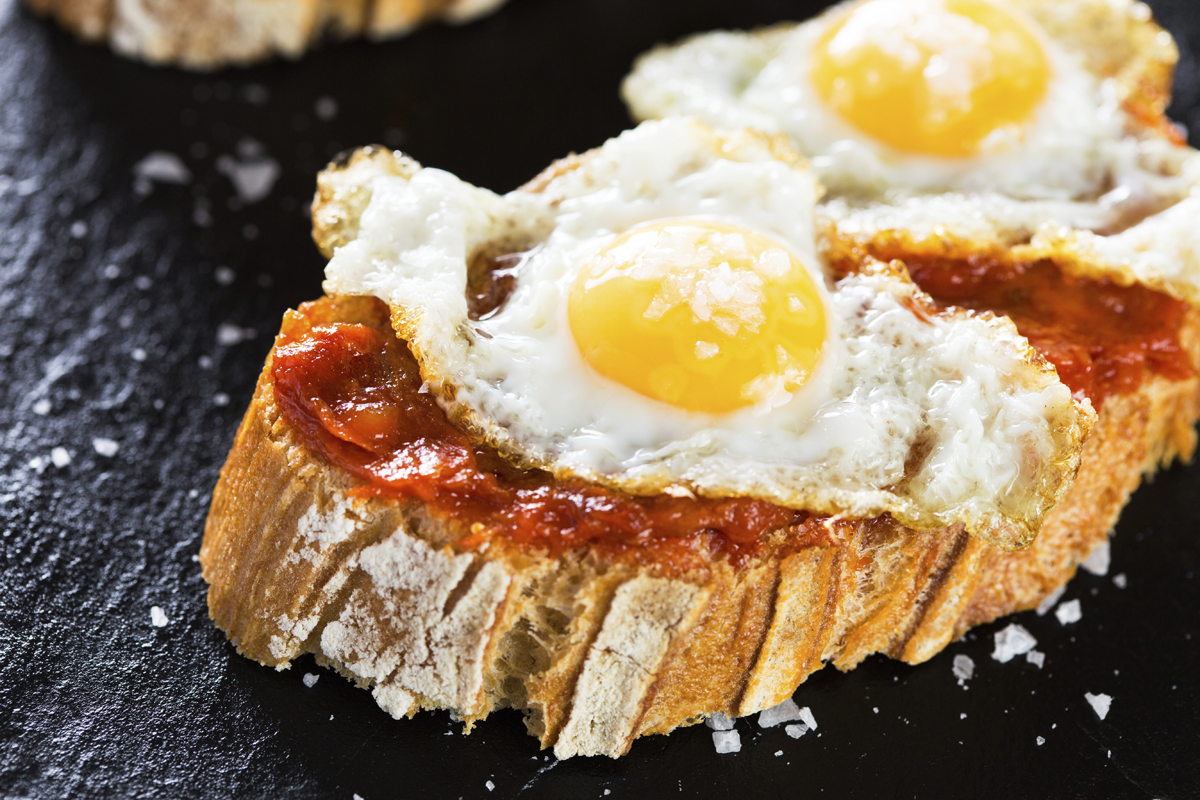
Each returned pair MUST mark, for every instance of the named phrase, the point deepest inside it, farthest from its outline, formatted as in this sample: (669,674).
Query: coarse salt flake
(42,408)
(252,178)
(159,167)
(796,731)
(1069,612)
(326,108)
(60,457)
(1100,703)
(727,741)
(490,786)
(1098,560)
(1041,740)
(158,617)
(1050,600)
(230,334)
(807,716)
(964,667)
(1011,642)
(719,722)
(1036,658)
(1120,581)
(310,680)
(787,711)
(105,447)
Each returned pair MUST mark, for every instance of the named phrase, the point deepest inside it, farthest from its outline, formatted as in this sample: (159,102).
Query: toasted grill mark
(933,581)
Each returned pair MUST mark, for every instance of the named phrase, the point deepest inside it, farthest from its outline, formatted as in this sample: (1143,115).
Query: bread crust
(598,653)
(209,34)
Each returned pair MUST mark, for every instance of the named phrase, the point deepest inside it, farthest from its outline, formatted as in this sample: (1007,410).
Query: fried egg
(1020,112)
(671,328)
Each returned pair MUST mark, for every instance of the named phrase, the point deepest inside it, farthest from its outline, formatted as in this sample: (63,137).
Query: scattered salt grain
(1120,581)
(1011,642)
(326,108)
(1098,560)
(787,711)
(1044,607)
(809,719)
(727,741)
(224,275)
(79,229)
(719,722)
(230,334)
(205,362)
(158,617)
(112,271)
(138,354)
(159,167)
(962,716)
(607,792)
(490,786)
(1035,657)
(143,282)
(778,753)
(38,465)
(41,407)
(254,175)
(876,709)
(310,680)
(964,667)
(60,457)
(1100,703)
(220,399)
(1041,740)
(105,447)
(796,731)
(356,796)
(202,213)
(255,94)
(1069,612)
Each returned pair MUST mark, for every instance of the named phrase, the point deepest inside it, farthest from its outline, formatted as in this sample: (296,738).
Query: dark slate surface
(143,318)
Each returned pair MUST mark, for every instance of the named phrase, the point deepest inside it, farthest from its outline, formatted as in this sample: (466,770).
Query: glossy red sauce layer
(1103,339)
(351,390)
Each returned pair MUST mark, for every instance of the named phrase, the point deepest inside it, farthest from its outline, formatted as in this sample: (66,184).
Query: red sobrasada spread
(1104,339)
(351,390)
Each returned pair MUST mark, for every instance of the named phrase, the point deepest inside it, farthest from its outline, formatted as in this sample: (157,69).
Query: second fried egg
(889,96)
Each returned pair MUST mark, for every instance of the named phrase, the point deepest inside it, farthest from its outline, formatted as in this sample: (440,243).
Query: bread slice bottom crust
(598,653)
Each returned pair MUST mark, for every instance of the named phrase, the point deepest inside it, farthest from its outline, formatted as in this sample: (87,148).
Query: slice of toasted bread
(598,653)
(207,34)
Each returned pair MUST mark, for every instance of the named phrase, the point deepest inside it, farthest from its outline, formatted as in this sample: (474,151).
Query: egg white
(995,430)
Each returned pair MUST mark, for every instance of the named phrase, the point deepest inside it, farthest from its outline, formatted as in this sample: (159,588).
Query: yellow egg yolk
(934,77)
(702,315)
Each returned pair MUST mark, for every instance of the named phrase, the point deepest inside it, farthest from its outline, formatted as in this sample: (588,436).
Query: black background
(96,701)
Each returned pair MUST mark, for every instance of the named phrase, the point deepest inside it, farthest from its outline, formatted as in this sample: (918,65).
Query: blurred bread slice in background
(209,34)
